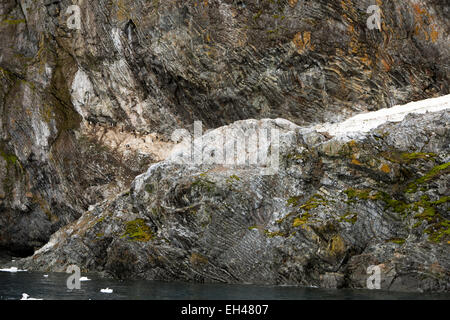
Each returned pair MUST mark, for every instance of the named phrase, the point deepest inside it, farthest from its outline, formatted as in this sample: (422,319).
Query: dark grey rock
(335,207)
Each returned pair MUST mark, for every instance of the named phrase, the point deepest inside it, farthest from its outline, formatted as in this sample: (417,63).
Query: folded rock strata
(83,111)
(336,206)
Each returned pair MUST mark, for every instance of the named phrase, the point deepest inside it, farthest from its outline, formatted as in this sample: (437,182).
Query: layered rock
(86,110)
(334,206)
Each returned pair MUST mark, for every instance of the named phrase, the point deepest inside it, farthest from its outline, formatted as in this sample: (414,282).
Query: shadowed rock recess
(85,112)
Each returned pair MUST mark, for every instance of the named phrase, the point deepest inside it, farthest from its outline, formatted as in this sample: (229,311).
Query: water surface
(53,287)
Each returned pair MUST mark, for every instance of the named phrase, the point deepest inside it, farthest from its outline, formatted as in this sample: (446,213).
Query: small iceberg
(27,297)
(84,279)
(12,269)
(107,290)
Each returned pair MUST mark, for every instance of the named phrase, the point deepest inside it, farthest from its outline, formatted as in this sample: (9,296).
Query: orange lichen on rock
(385,168)
(356,161)
(423,24)
(302,42)
(386,65)
(434,34)
(292,3)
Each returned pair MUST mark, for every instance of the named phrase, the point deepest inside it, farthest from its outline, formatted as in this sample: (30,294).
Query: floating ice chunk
(27,297)
(12,269)
(107,290)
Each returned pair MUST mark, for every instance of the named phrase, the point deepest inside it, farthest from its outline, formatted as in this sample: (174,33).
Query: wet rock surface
(335,206)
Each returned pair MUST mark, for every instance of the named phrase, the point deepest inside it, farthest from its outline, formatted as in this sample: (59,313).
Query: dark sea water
(53,287)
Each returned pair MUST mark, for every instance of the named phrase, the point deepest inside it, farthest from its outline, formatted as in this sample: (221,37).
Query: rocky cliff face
(334,207)
(84,111)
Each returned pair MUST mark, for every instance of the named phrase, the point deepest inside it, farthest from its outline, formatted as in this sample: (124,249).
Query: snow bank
(367,121)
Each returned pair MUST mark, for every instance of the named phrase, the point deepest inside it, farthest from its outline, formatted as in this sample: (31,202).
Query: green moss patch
(299,221)
(204,184)
(302,209)
(399,241)
(275,234)
(407,157)
(315,201)
(356,194)
(233,177)
(13,21)
(393,204)
(418,155)
(14,170)
(433,173)
(293,201)
(11,159)
(439,231)
(137,230)
(436,225)
(350,217)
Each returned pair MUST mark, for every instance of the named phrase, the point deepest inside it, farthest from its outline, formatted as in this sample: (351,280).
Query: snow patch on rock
(367,121)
